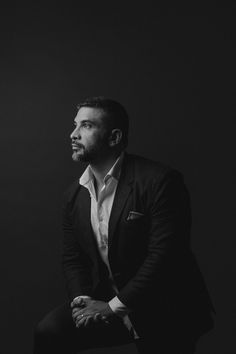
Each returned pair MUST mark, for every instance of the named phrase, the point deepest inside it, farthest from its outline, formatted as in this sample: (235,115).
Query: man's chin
(78,157)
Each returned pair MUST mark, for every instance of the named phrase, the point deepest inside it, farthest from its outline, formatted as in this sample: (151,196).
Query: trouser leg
(57,333)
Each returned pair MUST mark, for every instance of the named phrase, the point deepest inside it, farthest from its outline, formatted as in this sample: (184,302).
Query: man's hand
(78,302)
(91,311)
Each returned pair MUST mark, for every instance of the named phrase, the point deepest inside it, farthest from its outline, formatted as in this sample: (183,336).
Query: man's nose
(75,134)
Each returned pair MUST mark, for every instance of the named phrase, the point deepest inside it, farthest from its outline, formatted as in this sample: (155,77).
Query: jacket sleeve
(75,262)
(168,239)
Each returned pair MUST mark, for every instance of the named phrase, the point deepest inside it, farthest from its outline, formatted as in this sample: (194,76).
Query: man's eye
(87,126)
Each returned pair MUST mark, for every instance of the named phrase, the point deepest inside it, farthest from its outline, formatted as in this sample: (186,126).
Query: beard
(81,155)
(87,155)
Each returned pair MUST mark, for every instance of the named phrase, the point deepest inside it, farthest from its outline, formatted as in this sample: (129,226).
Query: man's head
(102,127)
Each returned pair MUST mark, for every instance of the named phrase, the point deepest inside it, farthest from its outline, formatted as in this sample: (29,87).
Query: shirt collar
(114,172)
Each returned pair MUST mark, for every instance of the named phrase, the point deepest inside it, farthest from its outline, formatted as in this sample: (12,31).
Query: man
(130,273)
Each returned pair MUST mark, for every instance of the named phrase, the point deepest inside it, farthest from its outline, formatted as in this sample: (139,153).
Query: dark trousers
(56,333)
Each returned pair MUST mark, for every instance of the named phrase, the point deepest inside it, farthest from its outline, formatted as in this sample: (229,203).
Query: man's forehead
(90,113)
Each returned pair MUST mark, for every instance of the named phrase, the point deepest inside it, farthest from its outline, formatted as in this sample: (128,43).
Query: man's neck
(101,168)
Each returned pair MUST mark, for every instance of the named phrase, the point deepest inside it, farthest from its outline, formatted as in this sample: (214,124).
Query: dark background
(174,71)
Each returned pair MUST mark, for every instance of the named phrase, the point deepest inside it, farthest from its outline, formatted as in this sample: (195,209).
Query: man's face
(90,136)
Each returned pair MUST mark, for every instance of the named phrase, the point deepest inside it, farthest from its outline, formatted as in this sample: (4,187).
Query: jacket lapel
(122,193)
(83,211)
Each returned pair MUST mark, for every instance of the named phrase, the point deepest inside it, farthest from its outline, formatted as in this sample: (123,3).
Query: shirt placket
(102,227)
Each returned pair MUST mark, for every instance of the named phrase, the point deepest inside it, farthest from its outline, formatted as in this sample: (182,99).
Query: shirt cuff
(118,307)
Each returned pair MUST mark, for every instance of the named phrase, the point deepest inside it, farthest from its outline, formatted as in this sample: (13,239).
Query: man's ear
(115,137)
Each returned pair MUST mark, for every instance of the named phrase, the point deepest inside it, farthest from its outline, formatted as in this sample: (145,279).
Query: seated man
(127,260)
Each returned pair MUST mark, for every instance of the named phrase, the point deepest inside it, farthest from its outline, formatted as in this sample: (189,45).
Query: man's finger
(80,321)
(75,310)
(75,314)
(104,319)
(88,320)
(97,317)
(86,311)
(77,302)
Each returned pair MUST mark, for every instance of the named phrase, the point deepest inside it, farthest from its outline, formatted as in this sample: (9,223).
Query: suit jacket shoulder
(147,170)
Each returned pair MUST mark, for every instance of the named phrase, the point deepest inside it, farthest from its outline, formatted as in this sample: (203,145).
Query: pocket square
(133,215)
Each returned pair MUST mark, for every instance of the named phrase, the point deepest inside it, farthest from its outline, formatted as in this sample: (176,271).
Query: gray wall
(174,71)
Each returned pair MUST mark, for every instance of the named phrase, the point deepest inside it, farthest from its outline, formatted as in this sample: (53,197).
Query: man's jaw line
(77,152)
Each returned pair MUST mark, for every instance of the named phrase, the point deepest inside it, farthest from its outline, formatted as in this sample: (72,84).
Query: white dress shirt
(101,206)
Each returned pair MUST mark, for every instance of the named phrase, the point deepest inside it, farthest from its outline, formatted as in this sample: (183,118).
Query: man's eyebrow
(85,121)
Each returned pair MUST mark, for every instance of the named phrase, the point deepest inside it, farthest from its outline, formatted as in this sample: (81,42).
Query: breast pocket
(134,215)
(137,224)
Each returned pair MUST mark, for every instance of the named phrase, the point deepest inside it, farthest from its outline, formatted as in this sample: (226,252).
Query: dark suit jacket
(150,256)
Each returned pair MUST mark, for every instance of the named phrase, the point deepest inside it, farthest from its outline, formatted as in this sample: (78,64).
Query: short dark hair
(118,117)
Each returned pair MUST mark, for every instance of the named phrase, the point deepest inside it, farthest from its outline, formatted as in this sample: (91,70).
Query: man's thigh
(57,332)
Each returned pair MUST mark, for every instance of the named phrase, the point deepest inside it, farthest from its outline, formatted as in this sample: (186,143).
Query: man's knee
(47,327)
